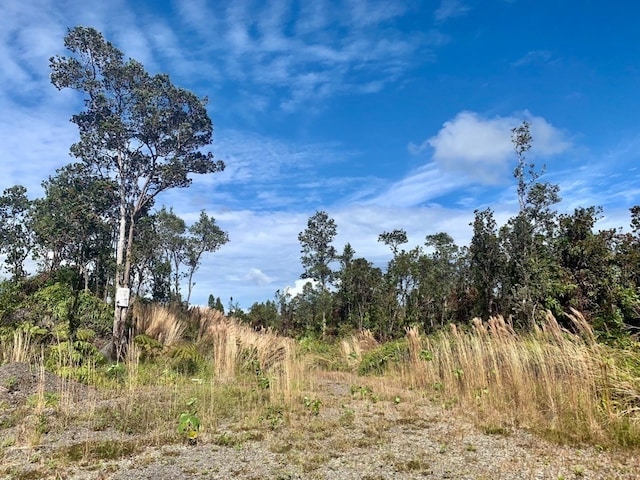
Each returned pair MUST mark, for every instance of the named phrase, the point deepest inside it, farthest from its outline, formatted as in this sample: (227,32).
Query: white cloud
(258,277)
(450,9)
(298,286)
(480,148)
(311,53)
(420,186)
(34,145)
(547,139)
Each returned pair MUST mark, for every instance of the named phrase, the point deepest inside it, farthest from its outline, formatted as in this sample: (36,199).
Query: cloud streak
(450,9)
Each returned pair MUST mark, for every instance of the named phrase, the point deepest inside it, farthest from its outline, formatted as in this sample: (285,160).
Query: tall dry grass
(20,345)
(353,346)
(235,348)
(553,381)
(158,322)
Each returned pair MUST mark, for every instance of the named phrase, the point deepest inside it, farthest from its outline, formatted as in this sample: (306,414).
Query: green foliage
(149,347)
(312,344)
(94,314)
(263,315)
(185,358)
(378,360)
(57,304)
(189,422)
(312,405)
(317,251)
(204,236)
(12,295)
(16,238)
(215,303)
(72,224)
(364,392)
(250,364)
(74,358)
(51,399)
(96,451)
(116,371)
(326,353)
(52,303)
(426,355)
(137,130)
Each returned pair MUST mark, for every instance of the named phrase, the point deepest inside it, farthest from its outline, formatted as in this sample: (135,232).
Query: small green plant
(116,371)
(264,382)
(11,383)
(274,417)
(189,423)
(378,360)
(149,347)
(364,393)
(226,439)
(184,358)
(312,405)
(426,355)
(492,429)
(50,399)
(348,417)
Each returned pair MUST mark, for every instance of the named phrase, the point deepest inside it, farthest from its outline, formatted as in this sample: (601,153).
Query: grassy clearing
(231,385)
(227,376)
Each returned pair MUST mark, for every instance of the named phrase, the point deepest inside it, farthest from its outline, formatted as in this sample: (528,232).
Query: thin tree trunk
(120,313)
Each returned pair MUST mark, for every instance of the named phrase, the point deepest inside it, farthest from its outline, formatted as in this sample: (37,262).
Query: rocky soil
(340,434)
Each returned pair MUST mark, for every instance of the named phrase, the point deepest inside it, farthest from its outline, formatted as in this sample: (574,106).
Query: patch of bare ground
(18,381)
(345,427)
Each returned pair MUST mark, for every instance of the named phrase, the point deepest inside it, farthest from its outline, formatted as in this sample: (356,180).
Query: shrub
(379,359)
(149,347)
(185,358)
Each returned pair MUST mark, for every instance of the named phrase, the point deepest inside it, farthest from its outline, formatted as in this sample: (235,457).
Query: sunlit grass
(561,384)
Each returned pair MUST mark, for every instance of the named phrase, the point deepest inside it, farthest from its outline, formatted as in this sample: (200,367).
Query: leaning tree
(139,130)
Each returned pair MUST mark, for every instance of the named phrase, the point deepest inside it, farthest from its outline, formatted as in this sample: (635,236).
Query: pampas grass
(233,346)
(557,382)
(158,322)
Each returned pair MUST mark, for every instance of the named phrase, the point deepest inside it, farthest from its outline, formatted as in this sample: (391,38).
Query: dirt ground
(348,437)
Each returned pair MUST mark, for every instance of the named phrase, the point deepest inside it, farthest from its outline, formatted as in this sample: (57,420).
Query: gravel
(348,437)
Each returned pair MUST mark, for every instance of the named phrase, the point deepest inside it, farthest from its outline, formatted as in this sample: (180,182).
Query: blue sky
(384,114)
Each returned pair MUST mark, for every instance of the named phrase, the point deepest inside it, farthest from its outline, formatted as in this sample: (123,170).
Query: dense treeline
(70,235)
(538,260)
(95,232)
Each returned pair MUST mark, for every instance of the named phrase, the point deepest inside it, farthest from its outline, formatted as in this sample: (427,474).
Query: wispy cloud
(535,57)
(450,9)
(419,187)
(287,58)
(322,51)
(33,146)
(266,173)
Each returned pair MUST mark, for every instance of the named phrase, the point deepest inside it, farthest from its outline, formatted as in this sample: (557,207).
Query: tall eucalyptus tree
(137,129)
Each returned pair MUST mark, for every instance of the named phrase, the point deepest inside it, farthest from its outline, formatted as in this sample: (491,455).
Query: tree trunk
(120,313)
(190,287)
